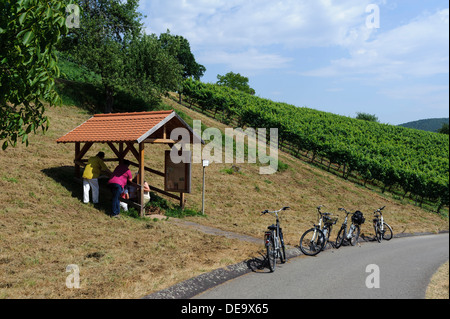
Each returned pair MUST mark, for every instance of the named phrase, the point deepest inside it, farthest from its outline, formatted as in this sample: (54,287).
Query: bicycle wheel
(387,232)
(271,254)
(355,236)
(282,249)
(340,237)
(312,242)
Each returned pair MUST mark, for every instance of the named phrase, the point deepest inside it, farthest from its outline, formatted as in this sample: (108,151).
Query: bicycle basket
(358,218)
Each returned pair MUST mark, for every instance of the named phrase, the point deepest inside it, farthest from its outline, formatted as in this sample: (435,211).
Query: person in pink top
(119,179)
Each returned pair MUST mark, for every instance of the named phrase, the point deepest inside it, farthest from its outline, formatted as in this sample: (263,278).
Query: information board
(177,176)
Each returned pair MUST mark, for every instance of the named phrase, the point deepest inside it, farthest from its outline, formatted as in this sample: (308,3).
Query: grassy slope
(44,226)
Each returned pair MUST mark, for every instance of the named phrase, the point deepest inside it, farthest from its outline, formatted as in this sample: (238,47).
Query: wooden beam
(133,150)
(115,150)
(150,170)
(126,151)
(160,141)
(141,177)
(155,189)
(77,152)
(83,151)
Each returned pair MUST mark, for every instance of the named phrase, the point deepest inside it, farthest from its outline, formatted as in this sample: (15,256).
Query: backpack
(358,218)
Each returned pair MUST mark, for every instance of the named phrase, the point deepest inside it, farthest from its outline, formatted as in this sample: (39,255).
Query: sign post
(205,164)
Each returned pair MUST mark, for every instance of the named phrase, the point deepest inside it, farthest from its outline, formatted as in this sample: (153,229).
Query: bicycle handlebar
(348,213)
(276,211)
(379,210)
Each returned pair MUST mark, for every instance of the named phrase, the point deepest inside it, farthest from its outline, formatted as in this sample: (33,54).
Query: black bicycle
(352,235)
(274,241)
(382,229)
(313,241)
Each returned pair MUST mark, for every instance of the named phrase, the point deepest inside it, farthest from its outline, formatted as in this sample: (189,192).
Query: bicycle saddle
(272,227)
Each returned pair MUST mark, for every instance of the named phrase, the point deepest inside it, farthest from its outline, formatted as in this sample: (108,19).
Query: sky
(383,57)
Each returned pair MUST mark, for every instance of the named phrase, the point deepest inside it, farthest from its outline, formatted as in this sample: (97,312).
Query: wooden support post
(83,151)
(182,201)
(141,177)
(77,166)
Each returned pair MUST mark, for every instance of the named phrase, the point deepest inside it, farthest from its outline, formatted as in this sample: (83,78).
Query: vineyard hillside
(412,162)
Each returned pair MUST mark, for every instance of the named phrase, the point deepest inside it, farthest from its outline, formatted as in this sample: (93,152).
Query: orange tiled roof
(117,127)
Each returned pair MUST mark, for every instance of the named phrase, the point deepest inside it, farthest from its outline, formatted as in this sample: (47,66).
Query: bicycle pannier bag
(358,218)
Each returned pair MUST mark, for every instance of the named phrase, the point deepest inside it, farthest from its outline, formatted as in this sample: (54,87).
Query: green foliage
(179,47)
(170,209)
(110,43)
(366,117)
(414,160)
(72,71)
(106,29)
(235,81)
(150,69)
(29,33)
(444,129)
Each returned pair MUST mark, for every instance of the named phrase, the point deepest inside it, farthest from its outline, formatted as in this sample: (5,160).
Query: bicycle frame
(379,219)
(344,224)
(319,226)
(378,224)
(322,226)
(275,235)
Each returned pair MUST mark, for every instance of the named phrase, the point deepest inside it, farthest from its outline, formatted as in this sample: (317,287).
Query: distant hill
(431,125)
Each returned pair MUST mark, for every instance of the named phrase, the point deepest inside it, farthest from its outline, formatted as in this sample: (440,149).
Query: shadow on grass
(64,175)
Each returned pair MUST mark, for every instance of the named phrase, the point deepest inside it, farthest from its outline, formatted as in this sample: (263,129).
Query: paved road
(405,268)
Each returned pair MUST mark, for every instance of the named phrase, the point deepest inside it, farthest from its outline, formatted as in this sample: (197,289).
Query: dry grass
(439,285)
(44,226)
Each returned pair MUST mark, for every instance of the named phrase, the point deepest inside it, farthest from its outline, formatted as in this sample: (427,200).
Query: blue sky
(323,54)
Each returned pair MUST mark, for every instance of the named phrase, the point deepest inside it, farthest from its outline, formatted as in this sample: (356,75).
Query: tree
(151,69)
(107,27)
(180,48)
(29,33)
(236,82)
(366,117)
(444,129)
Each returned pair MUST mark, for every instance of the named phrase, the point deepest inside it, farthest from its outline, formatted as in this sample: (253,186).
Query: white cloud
(239,29)
(419,49)
(238,23)
(250,60)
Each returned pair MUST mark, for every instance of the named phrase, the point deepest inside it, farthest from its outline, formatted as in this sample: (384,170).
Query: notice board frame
(174,172)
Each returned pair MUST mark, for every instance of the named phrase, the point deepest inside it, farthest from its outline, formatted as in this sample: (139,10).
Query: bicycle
(274,241)
(352,235)
(382,229)
(313,241)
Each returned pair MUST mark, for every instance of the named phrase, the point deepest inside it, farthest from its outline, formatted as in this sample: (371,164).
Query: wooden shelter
(128,133)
